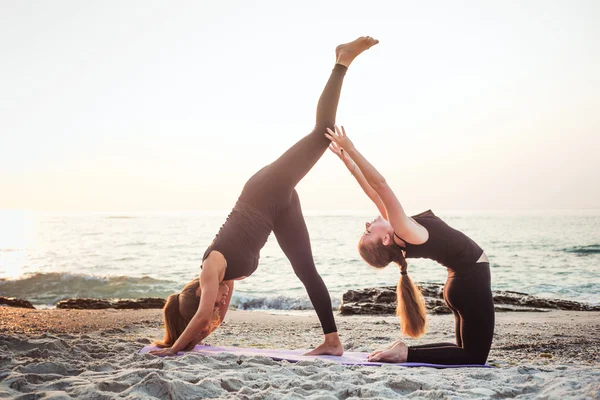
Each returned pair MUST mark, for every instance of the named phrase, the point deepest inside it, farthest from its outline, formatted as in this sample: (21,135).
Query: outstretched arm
(360,178)
(199,326)
(219,311)
(402,224)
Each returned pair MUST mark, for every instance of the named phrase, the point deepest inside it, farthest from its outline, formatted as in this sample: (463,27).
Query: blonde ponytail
(411,304)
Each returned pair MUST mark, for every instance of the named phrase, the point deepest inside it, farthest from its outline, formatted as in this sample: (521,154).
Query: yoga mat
(349,357)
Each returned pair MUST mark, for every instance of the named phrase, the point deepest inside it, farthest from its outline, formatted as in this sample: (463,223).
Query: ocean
(47,257)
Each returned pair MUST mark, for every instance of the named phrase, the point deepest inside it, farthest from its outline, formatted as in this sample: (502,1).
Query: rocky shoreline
(92,304)
(382,301)
(367,301)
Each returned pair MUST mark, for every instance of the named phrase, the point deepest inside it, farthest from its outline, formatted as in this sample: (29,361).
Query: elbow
(203,323)
(199,324)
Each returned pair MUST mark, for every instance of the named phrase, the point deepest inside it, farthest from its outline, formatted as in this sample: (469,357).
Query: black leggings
(271,191)
(469,296)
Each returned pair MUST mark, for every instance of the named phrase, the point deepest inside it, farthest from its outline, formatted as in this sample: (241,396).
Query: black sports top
(240,240)
(451,248)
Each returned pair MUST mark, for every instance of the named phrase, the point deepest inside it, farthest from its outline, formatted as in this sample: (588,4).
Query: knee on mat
(478,358)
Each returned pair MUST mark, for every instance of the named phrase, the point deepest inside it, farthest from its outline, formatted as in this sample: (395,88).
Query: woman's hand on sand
(166,352)
(340,138)
(397,352)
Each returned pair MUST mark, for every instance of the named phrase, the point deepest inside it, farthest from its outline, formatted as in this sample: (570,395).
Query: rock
(441,310)
(368,308)
(149,302)
(388,293)
(437,306)
(518,309)
(432,289)
(385,294)
(120,304)
(84,304)
(522,299)
(13,302)
(382,300)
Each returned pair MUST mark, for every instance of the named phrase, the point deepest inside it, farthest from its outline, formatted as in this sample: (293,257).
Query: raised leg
(281,176)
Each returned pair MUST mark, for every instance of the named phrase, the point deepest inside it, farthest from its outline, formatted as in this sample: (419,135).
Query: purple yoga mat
(349,357)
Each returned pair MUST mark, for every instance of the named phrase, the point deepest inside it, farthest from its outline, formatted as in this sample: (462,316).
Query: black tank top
(240,240)
(451,248)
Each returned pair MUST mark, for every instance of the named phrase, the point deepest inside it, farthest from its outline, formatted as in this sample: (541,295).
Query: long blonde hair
(410,306)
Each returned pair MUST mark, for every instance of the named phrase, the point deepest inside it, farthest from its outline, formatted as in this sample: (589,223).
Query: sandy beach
(92,354)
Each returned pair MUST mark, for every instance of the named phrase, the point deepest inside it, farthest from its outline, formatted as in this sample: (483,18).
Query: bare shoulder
(414,233)
(215,262)
(214,257)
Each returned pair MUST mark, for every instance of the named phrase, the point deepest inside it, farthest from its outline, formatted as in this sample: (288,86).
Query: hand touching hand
(343,155)
(340,138)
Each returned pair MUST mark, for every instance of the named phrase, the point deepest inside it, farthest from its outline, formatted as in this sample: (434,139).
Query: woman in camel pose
(393,237)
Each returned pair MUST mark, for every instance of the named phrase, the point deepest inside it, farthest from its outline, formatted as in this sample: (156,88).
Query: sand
(92,354)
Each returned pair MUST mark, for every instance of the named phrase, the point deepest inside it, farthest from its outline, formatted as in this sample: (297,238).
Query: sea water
(46,257)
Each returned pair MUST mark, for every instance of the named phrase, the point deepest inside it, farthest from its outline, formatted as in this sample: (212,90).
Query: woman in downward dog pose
(268,203)
(393,237)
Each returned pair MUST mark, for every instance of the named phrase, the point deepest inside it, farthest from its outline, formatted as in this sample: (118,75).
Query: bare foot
(396,353)
(347,52)
(332,346)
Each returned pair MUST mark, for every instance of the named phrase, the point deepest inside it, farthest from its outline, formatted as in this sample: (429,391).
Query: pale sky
(172,105)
